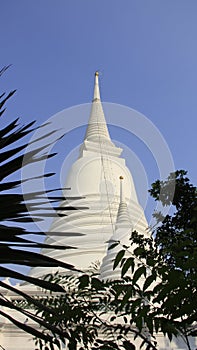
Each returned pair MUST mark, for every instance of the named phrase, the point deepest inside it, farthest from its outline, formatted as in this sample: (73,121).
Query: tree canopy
(159,295)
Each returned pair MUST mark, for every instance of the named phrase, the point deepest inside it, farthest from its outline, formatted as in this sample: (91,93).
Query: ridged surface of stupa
(95,178)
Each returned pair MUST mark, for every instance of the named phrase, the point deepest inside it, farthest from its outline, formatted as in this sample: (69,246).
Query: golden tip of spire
(121,177)
(97,73)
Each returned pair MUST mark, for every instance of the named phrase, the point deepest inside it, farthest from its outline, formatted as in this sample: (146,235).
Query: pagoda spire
(123,218)
(97,127)
(122,233)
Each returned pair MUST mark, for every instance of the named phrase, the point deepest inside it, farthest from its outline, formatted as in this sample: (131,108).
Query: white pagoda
(95,178)
(105,186)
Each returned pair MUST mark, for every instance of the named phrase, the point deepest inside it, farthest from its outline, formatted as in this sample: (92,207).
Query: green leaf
(138,273)
(128,263)
(139,251)
(26,328)
(136,304)
(125,319)
(16,256)
(6,98)
(164,292)
(149,280)
(97,284)
(156,324)
(128,345)
(139,323)
(5,272)
(83,281)
(149,323)
(113,245)
(118,258)
(113,318)
(127,296)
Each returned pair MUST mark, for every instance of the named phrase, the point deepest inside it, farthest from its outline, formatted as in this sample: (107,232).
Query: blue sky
(146,52)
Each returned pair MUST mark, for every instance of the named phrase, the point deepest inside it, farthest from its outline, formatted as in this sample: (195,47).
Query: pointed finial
(96,88)
(121,191)
(123,219)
